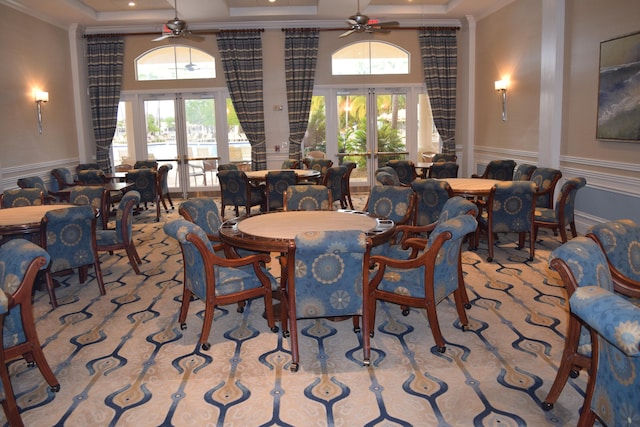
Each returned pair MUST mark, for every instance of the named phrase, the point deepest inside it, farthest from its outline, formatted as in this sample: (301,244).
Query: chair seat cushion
(107,237)
(391,251)
(545,215)
(408,282)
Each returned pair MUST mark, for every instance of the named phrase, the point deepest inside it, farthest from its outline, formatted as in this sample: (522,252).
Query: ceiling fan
(175,28)
(362,24)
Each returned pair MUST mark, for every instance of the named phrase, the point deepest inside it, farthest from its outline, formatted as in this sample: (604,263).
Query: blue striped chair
(216,280)
(17,197)
(304,197)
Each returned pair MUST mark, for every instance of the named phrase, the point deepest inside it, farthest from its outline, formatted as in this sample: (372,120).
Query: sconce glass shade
(42,96)
(500,85)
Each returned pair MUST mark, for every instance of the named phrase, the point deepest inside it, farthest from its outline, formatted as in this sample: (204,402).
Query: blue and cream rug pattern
(122,359)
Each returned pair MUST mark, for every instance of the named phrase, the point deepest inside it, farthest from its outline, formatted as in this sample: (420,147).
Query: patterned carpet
(122,359)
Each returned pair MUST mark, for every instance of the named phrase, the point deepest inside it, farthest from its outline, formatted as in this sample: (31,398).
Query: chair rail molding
(11,174)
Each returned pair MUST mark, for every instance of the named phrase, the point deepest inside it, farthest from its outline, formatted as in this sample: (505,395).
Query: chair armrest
(475,175)
(610,315)
(5,302)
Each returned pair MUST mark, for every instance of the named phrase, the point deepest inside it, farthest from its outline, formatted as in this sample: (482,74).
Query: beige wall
(34,55)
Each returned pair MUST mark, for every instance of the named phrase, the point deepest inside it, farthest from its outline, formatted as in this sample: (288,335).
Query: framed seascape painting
(619,89)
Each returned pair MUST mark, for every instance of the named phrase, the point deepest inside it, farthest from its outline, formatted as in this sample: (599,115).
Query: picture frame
(619,89)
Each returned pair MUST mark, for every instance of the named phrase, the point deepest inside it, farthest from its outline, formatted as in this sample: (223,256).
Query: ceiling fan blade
(351,21)
(378,30)
(196,38)
(346,33)
(163,37)
(386,24)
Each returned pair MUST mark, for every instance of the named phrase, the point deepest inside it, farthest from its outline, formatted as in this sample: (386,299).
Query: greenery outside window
(175,62)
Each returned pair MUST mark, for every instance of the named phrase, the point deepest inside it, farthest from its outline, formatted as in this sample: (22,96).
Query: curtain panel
(105,59)
(241,54)
(301,54)
(439,51)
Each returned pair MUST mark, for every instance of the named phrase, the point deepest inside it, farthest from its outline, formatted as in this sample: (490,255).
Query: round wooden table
(272,231)
(24,219)
(471,187)
(261,175)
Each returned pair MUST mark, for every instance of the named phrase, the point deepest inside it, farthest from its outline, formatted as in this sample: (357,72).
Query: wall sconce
(501,86)
(40,98)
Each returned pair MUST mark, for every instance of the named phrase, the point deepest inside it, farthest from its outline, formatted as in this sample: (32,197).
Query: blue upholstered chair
(290,164)
(501,170)
(443,170)
(562,214)
(69,236)
(94,196)
(21,197)
(307,198)
(509,209)
(163,185)
(109,240)
(276,185)
(20,261)
(36,182)
(61,179)
(431,195)
(334,181)
(346,183)
(546,180)
(228,167)
(236,191)
(216,280)
(146,164)
(579,262)
(87,166)
(327,277)
(320,165)
(386,175)
(523,173)
(145,182)
(442,157)
(91,177)
(620,242)
(428,278)
(405,169)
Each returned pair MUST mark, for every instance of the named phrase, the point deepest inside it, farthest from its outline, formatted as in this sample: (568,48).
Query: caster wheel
(405,312)
(240,309)
(294,367)
(530,258)
(55,388)
(546,406)
(371,334)
(465,328)
(366,362)
(356,329)
(286,334)
(275,329)
(183,326)
(206,346)
(31,364)
(441,349)
(574,374)
(467,306)
(489,259)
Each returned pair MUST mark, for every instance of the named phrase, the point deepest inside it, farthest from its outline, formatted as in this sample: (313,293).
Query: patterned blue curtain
(105,58)
(301,54)
(439,50)
(241,53)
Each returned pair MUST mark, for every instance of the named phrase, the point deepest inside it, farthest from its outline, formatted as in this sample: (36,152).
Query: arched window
(175,63)
(370,57)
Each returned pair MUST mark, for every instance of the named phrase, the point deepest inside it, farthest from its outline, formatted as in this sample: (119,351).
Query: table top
(471,186)
(24,219)
(300,173)
(109,186)
(272,231)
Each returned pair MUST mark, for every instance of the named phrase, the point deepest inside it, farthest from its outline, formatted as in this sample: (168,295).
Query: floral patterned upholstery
(443,170)
(36,182)
(163,185)
(228,167)
(346,183)
(614,387)
(90,195)
(327,274)
(237,191)
(396,203)
(386,175)
(216,280)
(145,182)
(334,181)
(431,195)
(68,235)
(320,165)
(122,236)
(405,169)
(146,164)
(290,164)
(21,197)
(276,185)
(562,215)
(307,198)
(91,176)
(546,180)
(20,261)
(523,172)
(441,157)
(61,178)
(87,166)
(429,278)
(510,209)
(498,169)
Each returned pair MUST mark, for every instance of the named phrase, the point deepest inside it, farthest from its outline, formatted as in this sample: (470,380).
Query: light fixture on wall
(501,86)
(40,97)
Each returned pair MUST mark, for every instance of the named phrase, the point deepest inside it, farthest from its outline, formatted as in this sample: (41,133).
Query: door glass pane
(391,127)
(120,153)
(352,134)
(201,141)
(315,139)
(161,128)
(239,146)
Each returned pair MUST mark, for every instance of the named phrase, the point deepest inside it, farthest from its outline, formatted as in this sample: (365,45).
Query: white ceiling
(116,15)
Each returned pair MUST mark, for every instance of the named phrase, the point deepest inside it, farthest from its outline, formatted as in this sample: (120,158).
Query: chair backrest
(146,164)
(511,206)
(387,175)
(396,203)
(334,181)
(123,167)
(87,166)
(620,241)
(17,197)
(307,198)
(234,187)
(456,206)
(124,216)
(62,178)
(441,157)
(277,183)
(405,169)
(566,201)
(443,170)
(90,195)
(68,235)
(290,164)
(326,265)
(228,167)
(500,169)
(33,182)
(523,172)
(91,176)
(162,175)
(144,182)
(431,196)
(546,180)
(347,177)
(320,165)
(204,212)
(16,258)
